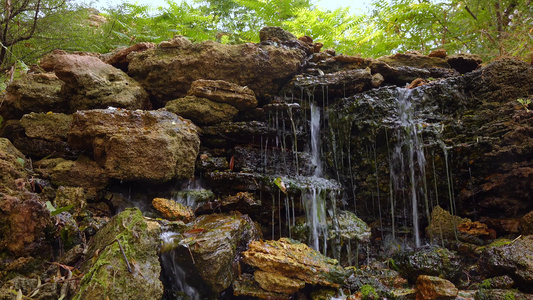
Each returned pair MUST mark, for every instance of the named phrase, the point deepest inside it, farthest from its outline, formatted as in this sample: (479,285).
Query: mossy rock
(107,273)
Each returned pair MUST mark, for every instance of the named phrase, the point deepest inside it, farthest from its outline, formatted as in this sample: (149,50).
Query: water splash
(174,273)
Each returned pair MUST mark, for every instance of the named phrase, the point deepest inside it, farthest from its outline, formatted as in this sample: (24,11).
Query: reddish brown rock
(173,210)
(432,287)
(90,83)
(119,59)
(438,53)
(474,228)
(24,224)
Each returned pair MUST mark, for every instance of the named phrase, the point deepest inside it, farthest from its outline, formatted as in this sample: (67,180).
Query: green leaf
(281,185)
(56,211)
(21,161)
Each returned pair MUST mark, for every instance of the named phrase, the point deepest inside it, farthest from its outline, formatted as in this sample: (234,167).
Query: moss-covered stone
(122,261)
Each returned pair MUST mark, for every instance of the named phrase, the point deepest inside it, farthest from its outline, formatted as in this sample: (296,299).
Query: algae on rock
(122,260)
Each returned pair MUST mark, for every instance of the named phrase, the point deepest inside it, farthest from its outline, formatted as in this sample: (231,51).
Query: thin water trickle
(173,272)
(408,160)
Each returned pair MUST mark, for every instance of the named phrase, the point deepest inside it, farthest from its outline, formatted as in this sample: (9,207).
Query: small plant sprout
(525,103)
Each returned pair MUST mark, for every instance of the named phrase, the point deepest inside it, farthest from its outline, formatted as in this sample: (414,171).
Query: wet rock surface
(513,259)
(310,144)
(207,249)
(293,259)
(122,260)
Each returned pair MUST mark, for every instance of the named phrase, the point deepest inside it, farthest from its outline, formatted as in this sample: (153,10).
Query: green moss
(368,292)
(509,295)
(485,284)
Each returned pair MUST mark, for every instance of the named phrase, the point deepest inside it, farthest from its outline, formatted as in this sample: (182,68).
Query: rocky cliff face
(276,141)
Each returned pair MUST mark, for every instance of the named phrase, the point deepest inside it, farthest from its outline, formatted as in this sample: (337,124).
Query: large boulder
(122,260)
(292,264)
(168,72)
(137,145)
(208,249)
(429,260)
(512,258)
(33,93)
(90,83)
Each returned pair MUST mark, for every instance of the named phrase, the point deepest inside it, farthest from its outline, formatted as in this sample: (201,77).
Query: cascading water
(173,272)
(314,198)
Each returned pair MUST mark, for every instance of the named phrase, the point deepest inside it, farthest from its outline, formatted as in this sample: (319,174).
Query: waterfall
(175,275)
(315,140)
(314,198)
(407,165)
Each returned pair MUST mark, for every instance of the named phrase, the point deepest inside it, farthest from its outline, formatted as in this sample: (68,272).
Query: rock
(338,84)
(277,283)
(293,259)
(438,53)
(119,59)
(442,225)
(412,59)
(500,282)
(514,259)
(137,145)
(501,294)
(464,62)
(202,111)
(275,33)
(416,83)
(90,83)
(178,41)
(526,223)
(241,97)
(350,227)
(173,210)
(83,172)
(377,80)
(431,287)
(208,248)
(429,260)
(247,286)
(25,226)
(12,163)
(106,269)
(34,93)
(50,126)
(167,73)
(474,228)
